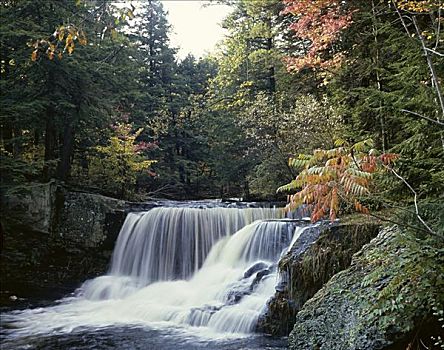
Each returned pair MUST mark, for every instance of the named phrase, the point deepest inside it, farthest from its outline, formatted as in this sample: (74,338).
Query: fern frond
(358,173)
(302,161)
(362,146)
(340,142)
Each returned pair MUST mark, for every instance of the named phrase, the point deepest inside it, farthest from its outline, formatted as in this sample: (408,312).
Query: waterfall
(211,270)
(172,243)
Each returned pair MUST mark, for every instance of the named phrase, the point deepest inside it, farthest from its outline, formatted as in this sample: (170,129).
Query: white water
(172,243)
(226,295)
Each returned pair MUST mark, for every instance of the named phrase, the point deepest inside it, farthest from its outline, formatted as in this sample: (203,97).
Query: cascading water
(178,267)
(172,243)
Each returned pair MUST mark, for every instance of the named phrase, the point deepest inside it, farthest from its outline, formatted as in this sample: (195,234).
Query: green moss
(331,253)
(307,273)
(389,290)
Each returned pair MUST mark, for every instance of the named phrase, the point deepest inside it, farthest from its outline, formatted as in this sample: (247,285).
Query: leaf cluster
(343,173)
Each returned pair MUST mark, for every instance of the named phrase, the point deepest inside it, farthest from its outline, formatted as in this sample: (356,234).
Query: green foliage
(270,124)
(15,172)
(405,279)
(384,75)
(56,106)
(222,124)
(330,176)
(115,166)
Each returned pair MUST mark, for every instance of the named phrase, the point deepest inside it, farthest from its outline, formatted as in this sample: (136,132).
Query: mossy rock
(391,288)
(307,270)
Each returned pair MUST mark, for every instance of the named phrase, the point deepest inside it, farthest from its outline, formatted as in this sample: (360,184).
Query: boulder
(90,220)
(389,298)
(318,254)
(52,239)
(32,208)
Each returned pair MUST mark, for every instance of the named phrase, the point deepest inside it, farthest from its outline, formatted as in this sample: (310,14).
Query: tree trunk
(50,142)
(66,152)
(7,136)
(378,80)
(271,70)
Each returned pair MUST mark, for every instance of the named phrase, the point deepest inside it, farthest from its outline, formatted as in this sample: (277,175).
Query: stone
(33,208)
(318,254)
(90,220)
(344,314)
(255,268)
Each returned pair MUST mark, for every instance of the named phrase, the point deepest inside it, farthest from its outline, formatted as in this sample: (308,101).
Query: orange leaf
(34,55)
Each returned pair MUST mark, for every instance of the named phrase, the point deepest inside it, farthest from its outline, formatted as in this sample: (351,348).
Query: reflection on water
(141,338)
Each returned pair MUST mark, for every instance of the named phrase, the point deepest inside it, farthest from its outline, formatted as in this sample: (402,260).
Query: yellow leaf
(61,33)
(34,55)
(68,39)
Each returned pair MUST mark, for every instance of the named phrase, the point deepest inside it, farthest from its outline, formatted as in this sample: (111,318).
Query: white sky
(195,28)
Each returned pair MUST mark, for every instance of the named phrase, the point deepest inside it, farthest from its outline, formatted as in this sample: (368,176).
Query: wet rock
(318,254)
(32,209)
(255,268)
(53,237)
(281,286)
(235,295)
(88,220)
(259,276)
(379,302)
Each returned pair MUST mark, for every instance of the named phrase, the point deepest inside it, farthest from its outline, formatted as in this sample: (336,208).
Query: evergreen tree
(385,75)
(52,102)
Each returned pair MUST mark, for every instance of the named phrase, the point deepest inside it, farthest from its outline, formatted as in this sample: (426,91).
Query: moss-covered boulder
(90,220)
(32,208)
(305,271)
(386,299)
(52,238)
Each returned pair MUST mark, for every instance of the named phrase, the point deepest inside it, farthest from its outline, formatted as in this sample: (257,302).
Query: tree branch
(415,199)
(424,117)
(401,18)
(398,223)
(431,66)
(438,31)
(435,52)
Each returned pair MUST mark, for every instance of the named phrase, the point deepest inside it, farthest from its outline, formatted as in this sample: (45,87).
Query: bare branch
(399,223)
(438,32)
(424,117)
(401,18)
(431,66)
(435,52)
(415,199)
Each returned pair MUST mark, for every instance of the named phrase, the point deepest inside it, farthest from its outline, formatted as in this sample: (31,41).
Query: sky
(195,29)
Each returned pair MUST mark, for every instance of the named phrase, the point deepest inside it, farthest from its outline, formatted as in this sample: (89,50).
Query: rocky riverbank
(389,298)
(314,259)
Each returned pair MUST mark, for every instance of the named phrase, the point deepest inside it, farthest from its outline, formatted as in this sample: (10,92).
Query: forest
(336,106)
(92,95)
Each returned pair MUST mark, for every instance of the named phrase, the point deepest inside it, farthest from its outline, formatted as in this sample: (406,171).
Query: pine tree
(52,102)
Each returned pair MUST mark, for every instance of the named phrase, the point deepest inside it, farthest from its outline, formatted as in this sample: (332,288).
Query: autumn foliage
(328,177)
(319,23)
(116,166)
(418,6)
(65,37)
(61,41)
